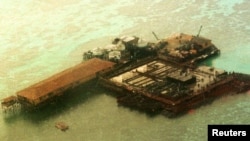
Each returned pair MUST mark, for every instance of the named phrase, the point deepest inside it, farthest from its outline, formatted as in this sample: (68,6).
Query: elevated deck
(60,82)
(185,48)
(158,85)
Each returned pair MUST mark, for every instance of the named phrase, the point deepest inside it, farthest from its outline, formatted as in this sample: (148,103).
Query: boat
(62,126)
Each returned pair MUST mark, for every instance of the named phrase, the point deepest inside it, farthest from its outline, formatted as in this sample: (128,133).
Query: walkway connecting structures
(55,86)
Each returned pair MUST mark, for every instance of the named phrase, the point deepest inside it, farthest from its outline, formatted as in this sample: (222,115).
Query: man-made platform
(162,77)
(157,85)
(60,82)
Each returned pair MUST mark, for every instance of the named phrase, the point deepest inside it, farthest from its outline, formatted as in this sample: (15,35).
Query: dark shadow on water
(132,109)
(209,61)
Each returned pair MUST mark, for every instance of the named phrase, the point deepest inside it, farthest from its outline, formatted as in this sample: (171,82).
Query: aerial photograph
(124,70)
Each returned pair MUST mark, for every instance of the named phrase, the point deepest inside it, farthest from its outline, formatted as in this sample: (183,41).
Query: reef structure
(162,77)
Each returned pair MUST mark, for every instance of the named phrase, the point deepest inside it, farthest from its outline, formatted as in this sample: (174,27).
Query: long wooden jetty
(57,84)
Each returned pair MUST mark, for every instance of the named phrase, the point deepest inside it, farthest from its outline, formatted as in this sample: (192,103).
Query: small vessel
(62,126)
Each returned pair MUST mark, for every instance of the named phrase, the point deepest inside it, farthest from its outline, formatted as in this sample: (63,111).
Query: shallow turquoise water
(40,38)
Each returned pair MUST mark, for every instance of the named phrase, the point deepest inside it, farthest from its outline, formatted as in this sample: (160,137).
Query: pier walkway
(57,84)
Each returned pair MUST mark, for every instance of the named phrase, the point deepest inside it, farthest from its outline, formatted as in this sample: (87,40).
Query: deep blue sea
(39,38)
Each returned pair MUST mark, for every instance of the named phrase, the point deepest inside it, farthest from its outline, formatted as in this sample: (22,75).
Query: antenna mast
(155,35)
(199,31)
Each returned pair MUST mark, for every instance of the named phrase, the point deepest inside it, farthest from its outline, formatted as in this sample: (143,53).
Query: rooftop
(69,76)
